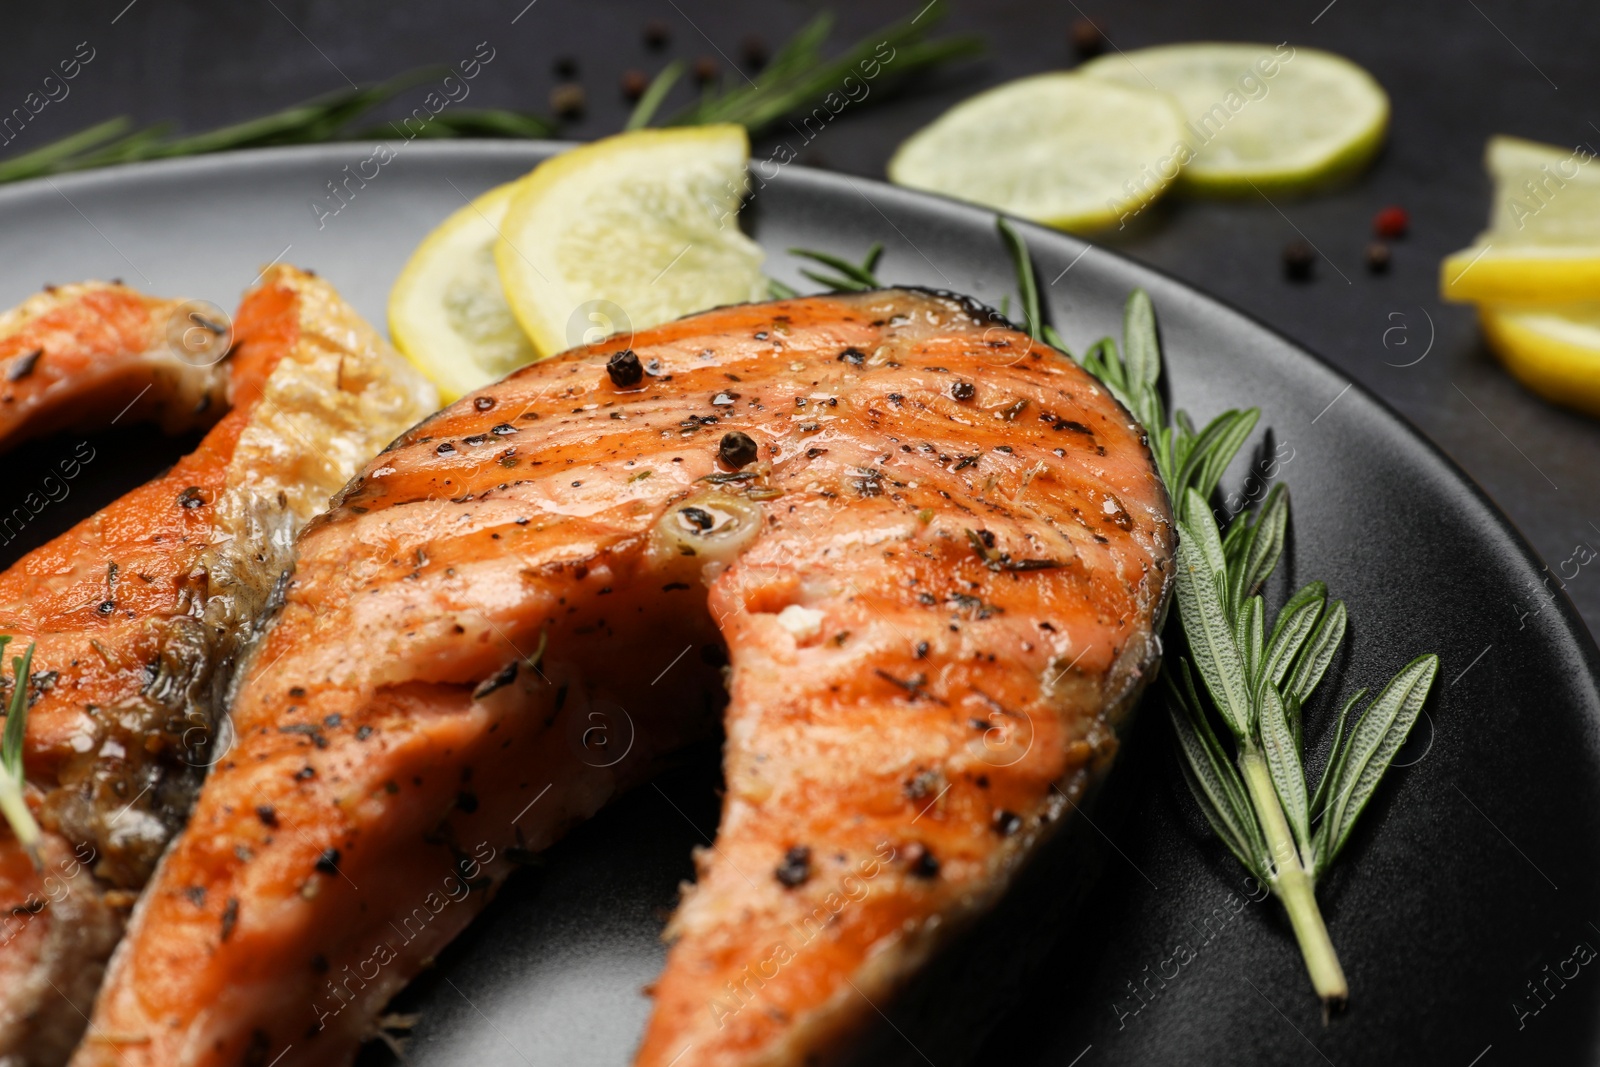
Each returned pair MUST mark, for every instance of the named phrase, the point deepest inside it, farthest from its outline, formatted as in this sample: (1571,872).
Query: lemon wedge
(1543,240)
(1274,118)
(1554,351)
(1073,152)
(447,312)
(628,232)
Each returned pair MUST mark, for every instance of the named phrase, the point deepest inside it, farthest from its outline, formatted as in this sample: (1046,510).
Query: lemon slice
(1543,240)
(1544,195)
(1521,275)
(1068,151)
(1273,118)
(447,313)
(628,232)
(1554,351)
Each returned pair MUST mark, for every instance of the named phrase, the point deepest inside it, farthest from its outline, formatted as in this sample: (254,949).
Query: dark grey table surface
(1456,70)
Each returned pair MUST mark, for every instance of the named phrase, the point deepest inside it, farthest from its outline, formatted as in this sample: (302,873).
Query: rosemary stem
(1292,885)
(15,809)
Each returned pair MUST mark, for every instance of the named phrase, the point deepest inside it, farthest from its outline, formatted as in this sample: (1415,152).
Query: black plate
(1466,906)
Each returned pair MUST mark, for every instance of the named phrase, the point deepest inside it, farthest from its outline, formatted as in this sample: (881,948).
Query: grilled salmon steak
(140,613)
(86,355)
(934,551)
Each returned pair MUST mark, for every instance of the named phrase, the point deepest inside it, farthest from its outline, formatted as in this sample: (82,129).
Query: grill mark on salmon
(141,611)
(936,608)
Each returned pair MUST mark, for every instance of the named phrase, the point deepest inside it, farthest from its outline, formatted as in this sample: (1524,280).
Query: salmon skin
(87,355)
(140,613)
(933,550)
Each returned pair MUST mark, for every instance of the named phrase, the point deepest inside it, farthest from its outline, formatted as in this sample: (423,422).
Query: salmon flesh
(88,355)
(934,551)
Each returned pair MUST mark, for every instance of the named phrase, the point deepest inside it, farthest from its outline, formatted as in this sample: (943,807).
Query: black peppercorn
(755,52)
(704,70)
(634,83)
(625,369)
(567,100)
(656,34)
(566,68)
(923,862)
(1087,40)
(963,390)
(1378,257)
(483,403)
(1298,257)
(796,867)
(698,518)
(737,450)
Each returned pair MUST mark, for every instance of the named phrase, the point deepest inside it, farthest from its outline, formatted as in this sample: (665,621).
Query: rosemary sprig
(324,118)
(1255,679)
(851,277)
(13,804)
(48,159)
(848,277)
(799,77)
(469,122)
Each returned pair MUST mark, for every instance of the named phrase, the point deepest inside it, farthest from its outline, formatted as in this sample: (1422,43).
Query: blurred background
(1457,71)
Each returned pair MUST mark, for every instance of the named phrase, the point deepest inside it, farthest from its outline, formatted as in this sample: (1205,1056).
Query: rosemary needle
(13,802)
(650,102)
